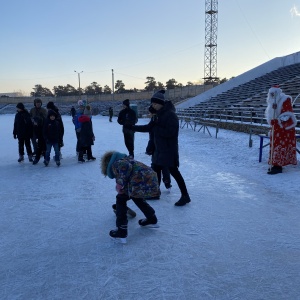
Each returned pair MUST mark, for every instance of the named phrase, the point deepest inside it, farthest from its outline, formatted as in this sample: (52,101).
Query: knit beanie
(20,105)
(51,113)
(50,105)
(126,102)
(159,97)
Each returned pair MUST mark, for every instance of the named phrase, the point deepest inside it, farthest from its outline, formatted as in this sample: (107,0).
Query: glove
(119,189)
(128,126)
(15,136)
(61,143)
(274,122)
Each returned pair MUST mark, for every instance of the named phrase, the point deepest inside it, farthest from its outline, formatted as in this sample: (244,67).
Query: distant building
(14,94)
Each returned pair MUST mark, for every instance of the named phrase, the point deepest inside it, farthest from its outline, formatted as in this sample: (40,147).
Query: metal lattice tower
(211,28)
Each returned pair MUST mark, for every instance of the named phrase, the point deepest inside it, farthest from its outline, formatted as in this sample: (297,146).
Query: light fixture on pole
(79,82)
(113,83)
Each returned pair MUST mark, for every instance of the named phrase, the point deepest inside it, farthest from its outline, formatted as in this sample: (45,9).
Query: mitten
(15,136)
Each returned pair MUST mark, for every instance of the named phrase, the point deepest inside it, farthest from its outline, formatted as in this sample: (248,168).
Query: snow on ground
(239,238)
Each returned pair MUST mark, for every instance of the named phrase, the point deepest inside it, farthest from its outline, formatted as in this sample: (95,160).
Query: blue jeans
(48,151)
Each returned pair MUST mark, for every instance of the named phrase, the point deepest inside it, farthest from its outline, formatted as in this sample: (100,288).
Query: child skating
(135,181)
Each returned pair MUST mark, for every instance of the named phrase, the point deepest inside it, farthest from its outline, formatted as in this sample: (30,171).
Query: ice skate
(21,158)
(119,235)
(183,200)
(149,222)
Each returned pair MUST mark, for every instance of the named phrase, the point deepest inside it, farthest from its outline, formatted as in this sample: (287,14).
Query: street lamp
(113,84)
(79,82)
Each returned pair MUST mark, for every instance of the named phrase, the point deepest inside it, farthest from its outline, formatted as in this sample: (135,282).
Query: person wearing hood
(135,181)
(23,130)
(86,137)
(127,116)
(165,128)
(51,105)
(279,114)
(38,115)
(77,124)
(52,136)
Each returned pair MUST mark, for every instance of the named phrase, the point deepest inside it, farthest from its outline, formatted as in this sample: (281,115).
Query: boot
(35,161)
(46,163)
(184,199)
(91,158)
(119,235)
(275,170)
(149,222)
(30,157)
(21,158)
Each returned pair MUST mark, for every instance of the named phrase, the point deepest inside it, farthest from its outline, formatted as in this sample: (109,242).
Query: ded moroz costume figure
(279,114)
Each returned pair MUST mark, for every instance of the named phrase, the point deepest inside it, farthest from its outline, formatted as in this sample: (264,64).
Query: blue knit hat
(114,157)
(159,97)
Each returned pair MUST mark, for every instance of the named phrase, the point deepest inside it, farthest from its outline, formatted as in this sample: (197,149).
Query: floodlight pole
(79,82)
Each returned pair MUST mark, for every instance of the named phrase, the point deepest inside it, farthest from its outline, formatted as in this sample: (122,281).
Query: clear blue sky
(43,42)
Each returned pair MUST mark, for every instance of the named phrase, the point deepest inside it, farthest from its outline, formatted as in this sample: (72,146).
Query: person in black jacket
(23,130)
(127,116)
(165,128)
(38,115)
(150,150)
(111,113)
(87,137)
(52,136)
(51,105)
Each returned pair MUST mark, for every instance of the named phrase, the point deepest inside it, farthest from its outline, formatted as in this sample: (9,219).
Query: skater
(135,181)
(38,115)
(73,111)
(111,113)
(52,136)
(23,130)
(127,116)
(279,114)
(165,128)
(77,124)
(50,105)
(166,178)
(87,137)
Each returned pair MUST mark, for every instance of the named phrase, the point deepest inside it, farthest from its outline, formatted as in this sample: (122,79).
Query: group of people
(135,180)
(40,127)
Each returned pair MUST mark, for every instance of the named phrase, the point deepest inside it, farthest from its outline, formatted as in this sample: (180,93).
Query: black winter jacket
(127,116)
(86,137)
(23,127)
(52,131)
(165,130)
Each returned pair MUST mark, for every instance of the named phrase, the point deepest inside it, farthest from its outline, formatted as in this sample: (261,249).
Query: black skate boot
(183,200)
(21,158)
(58,163)
(81,160)
(46,163)
(91,158)
(30,157)
(119,235)
(149,222)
